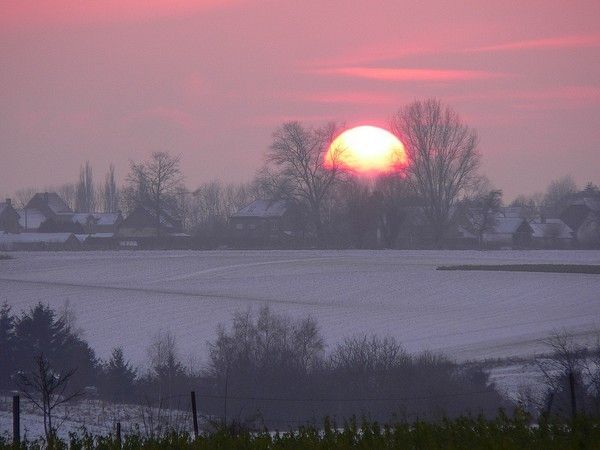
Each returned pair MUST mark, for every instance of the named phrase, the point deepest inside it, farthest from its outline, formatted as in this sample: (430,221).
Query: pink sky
(112,81)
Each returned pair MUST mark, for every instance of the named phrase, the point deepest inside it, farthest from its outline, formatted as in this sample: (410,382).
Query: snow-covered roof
(507,225)
(554,228)
(32,238)
(263,208)
(99,218)
(31,219)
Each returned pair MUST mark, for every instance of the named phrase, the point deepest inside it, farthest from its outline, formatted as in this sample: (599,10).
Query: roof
(507,225)
(554,228)
(31,219)
(52,199)
(99,218)
(2,206)
(263,208)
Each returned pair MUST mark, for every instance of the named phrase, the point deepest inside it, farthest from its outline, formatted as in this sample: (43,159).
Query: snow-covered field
(123,298)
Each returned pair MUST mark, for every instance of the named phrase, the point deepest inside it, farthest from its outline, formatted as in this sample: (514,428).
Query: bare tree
(298,154)
(563,372)
(156,182)
(46,390)
(556,198)
(85,200)
(22,196)
(110,193)
(443,158)
(481,213)
(68,192)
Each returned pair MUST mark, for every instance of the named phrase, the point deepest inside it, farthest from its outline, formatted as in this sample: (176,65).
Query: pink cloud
(588,41)
(366,98)
(393,74)
(174,116)
(16,14)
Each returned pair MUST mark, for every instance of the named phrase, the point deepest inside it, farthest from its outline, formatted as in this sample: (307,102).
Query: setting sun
(367,150)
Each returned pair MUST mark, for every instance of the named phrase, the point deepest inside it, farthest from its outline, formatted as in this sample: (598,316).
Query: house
(48,211)
(504,229)
(265,223)
(39,241)
(508,232)
(9,218)
(93,223)
(551,233)
(583,217)
(139,230)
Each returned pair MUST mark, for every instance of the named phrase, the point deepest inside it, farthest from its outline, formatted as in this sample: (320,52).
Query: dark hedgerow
(546,268)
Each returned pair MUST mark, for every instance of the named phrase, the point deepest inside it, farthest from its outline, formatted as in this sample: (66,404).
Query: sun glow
(367,150)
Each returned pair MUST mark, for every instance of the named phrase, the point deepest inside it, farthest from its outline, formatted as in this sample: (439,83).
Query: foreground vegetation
(503,432)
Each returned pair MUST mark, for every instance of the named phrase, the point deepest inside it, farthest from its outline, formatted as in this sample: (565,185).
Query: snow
(95,416)
(125,297)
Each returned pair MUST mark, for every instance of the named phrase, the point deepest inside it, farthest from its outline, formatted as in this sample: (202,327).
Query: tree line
(269,369)
(264,369)
(336,208)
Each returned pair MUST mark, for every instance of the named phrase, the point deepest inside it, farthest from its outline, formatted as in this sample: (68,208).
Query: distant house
(48,209)
(551,233)
(508,232)
(9,218)
(93,223)
(39,241)
(139,230)
(265,223)
(583,217)
(502,231)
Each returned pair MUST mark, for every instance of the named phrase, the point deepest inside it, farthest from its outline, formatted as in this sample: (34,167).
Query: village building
(583,217)
(265,223)
(551,233)
(142,229)
(9,218)
(48,211)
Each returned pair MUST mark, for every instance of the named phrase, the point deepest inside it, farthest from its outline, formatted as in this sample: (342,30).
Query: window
(239,226)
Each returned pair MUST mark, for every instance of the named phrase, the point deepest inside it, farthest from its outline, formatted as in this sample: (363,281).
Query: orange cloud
(589,41)
(392,74)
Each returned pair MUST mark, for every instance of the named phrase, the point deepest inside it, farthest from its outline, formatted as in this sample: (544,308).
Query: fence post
(16,420)
(119,434)
(194,414)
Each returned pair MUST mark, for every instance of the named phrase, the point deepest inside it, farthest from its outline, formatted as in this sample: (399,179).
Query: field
(123,298)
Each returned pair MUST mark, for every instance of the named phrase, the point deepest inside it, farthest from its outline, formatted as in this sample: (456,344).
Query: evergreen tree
(118,377)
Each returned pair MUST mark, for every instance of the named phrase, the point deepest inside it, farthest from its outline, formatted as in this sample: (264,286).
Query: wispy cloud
(360,98)
(586,41)
(402,74)
(167,114)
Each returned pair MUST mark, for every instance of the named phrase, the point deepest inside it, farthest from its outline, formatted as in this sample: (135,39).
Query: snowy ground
(123,298)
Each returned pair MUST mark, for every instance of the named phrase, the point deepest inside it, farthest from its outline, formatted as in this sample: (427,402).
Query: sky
(210,80)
